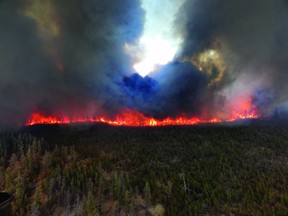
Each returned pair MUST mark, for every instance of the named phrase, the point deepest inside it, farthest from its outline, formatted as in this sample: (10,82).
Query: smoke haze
(68,57)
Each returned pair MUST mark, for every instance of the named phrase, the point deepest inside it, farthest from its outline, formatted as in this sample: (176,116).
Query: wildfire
(133,118)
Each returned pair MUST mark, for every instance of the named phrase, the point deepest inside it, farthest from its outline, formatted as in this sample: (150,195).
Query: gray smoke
(67,57)
(67,63)
(253,36)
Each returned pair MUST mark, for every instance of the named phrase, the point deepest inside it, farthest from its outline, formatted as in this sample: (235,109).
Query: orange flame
(134,118)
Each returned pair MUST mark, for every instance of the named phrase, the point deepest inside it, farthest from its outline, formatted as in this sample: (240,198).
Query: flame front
(135,119)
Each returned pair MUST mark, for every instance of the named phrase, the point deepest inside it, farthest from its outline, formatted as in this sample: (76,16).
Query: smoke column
(64,57)
(205,58)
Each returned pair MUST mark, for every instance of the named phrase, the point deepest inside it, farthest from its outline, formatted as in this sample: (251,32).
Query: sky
(162,58)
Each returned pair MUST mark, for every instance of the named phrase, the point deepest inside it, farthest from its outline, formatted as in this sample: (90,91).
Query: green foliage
(98,170)
(147,194)
(90,207)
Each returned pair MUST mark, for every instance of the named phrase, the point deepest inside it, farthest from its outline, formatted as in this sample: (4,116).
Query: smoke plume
(252,37)
(69,57)
(63,56)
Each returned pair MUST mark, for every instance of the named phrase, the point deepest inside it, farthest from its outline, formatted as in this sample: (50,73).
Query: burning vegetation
(139,64)
(144,64)
(136,119)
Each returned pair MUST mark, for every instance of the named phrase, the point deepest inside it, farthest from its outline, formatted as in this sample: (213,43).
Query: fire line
(134,118)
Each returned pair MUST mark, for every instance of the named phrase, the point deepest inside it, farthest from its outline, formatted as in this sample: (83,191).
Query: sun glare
(157,52)
(158,44)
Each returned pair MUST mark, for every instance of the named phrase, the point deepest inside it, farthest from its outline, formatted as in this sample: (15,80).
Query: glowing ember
(134,118)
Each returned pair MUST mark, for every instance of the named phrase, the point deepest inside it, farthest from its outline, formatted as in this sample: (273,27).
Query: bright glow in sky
(159,43)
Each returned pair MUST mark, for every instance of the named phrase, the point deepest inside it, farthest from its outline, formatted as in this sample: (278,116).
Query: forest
(97,169)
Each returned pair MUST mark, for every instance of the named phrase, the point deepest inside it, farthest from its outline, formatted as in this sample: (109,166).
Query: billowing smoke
(64,56)
(70,57)
(177,88)
(252,38)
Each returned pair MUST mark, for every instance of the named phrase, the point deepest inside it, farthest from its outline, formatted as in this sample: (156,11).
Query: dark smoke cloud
(177,88)
(139,92)
(24,66)
(68,72)
(74,63)
(253,36)
(183,88)
(252,29)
